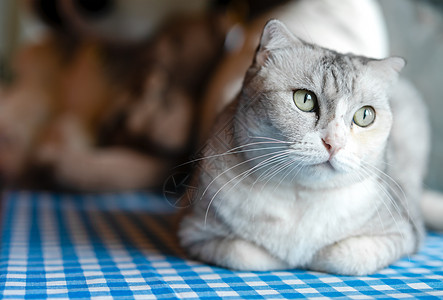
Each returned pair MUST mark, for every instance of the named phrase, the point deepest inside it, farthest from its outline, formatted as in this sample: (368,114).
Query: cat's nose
(333,146)
(327,146)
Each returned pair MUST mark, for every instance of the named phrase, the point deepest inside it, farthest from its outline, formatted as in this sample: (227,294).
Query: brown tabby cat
(96,116)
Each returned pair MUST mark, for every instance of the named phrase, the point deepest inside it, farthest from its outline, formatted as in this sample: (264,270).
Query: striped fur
(274,195)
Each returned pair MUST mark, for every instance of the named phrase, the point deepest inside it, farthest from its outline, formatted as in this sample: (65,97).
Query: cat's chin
(328,166)
(324,174)
(338,164)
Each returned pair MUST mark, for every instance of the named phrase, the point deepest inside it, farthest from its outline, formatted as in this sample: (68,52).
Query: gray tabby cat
(318,164)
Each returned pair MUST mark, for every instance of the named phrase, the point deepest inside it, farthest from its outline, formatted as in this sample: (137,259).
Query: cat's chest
(301,220)
(293,205)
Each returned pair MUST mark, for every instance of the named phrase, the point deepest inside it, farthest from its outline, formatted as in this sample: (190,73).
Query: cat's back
(409,142)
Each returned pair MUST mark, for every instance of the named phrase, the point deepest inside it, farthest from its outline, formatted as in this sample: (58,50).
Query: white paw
(236,254)
(243,255)
(356,256)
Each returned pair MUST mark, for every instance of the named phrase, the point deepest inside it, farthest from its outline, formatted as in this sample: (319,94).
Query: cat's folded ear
(275,36)
(390,64)
(389,68)
(396,63)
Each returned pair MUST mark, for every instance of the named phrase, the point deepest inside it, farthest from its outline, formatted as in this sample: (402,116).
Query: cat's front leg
(362,255)
(237,254)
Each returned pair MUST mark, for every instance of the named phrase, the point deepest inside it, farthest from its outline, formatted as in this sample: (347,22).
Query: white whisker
(272,162)
(231,152)
(299,170)
(390,199)
(235,177)
(235,166)
(289,172)
(271,139)
(403,196)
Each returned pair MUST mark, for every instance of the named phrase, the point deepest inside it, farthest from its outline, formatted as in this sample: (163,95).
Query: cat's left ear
(390,66)
(275,36)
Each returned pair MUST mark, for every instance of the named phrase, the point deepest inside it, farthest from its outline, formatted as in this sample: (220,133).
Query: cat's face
(328,113)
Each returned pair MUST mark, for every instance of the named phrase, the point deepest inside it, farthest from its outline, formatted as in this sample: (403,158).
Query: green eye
(365,116)
(305,100)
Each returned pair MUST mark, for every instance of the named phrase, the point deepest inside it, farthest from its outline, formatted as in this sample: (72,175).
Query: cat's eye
(365,116)
(305,100)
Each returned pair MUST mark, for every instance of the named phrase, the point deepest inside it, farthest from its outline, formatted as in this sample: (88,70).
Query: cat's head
(325,116)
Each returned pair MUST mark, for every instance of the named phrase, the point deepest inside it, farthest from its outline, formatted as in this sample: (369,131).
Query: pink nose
(332,145)
(334,137)
(327,146)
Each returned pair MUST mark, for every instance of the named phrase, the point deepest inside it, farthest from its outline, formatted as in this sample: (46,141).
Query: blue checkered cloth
(124,246)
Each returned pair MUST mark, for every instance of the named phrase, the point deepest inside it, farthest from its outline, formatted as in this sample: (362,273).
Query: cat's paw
(237,254)
(243,255)
(358,256)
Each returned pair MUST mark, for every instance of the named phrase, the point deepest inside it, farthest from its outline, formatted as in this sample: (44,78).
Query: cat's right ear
(275,36)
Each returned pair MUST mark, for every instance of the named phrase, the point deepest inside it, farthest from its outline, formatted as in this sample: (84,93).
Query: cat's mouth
(326,166)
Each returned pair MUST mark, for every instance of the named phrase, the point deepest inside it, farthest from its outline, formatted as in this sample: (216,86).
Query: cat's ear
(389,67)
(275,35)
(395,63)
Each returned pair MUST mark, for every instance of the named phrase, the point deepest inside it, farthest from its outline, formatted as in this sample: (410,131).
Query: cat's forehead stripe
(337,72)
(330,79)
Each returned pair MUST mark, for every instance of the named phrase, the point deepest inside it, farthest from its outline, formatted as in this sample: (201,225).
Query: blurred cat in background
(91,112)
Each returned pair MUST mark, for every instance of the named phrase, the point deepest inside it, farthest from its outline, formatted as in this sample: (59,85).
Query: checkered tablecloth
(123,246)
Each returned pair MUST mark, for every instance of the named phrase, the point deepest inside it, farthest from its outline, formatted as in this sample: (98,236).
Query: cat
(89,115)
(317,164)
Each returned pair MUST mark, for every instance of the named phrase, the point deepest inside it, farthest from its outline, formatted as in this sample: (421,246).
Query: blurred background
(416,32)
(415,29)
